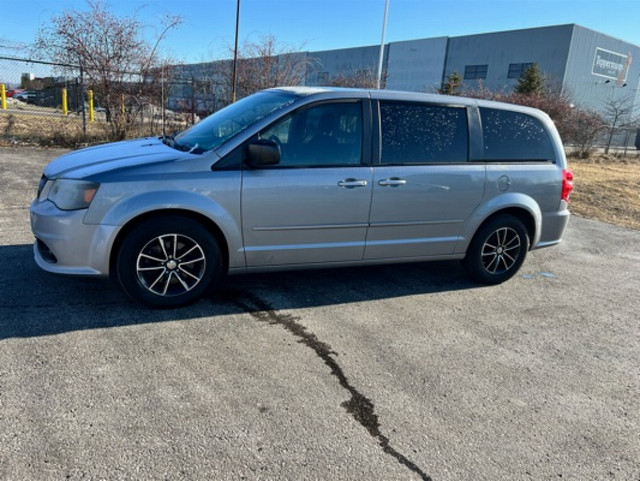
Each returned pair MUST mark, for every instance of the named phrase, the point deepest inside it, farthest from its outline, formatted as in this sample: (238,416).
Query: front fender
(502,202)
(220,203)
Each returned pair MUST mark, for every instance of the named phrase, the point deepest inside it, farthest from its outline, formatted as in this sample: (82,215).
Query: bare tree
(584,131)
(364,78)
(266,63)
(111,50)
(617,116)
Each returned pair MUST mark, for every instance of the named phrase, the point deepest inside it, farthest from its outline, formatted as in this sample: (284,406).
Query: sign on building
(611,65)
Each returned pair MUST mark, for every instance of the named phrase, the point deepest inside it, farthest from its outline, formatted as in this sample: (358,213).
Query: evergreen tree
(531,82)
(452,85)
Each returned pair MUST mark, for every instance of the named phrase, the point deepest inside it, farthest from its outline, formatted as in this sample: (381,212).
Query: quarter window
(514,136)
(421,134)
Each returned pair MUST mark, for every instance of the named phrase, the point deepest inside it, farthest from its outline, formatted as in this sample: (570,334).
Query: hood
(102,158)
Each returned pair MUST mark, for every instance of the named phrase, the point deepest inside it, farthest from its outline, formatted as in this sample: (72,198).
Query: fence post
(65,105)
(84,117)
(91,115)
(3,94)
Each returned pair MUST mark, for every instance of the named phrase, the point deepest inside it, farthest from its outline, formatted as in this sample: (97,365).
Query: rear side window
(514,136)
(415,133)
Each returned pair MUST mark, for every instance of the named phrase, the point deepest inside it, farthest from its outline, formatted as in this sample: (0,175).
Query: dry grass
(30,125)
(27,127)
(607,189)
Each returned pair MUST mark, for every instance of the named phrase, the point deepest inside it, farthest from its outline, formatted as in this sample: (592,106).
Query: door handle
(351,183)
(393,182)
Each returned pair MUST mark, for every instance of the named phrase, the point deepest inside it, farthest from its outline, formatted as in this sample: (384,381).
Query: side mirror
(263,152)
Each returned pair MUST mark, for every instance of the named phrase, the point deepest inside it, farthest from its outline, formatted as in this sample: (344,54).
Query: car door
(313,206)
(423,188)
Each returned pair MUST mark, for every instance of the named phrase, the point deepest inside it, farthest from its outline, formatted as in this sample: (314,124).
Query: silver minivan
(300,177)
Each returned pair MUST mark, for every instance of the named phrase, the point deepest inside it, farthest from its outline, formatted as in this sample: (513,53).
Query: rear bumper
(553,226)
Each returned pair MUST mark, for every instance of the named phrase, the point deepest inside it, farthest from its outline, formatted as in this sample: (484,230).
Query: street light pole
(235,56)
(384,31)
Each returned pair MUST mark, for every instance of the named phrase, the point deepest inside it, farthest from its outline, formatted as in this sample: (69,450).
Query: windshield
(224,124)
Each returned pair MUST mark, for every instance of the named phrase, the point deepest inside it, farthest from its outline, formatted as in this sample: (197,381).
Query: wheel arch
(521,214)
(520,206)
(208,224)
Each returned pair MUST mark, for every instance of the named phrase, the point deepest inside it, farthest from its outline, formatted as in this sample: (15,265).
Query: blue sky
(330,24)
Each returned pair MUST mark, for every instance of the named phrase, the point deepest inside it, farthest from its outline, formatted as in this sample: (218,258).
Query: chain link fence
(58,104)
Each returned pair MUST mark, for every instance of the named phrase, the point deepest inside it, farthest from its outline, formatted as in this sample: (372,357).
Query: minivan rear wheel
(168,262)
(498,250)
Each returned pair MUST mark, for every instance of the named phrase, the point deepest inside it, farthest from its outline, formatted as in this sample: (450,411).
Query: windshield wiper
(168,140)
(171,141)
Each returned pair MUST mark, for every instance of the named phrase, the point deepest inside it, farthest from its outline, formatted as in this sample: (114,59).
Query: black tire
(497,250)
(168,262)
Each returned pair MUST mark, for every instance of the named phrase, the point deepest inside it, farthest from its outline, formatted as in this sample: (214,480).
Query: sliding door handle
(351,183)
(392,182)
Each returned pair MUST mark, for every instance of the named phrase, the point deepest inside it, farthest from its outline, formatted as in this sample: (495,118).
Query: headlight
(69,194)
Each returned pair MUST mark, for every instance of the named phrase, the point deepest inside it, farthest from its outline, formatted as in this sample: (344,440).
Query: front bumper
(66,245)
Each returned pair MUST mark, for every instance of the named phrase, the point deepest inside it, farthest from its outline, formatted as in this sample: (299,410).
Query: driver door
(313,207)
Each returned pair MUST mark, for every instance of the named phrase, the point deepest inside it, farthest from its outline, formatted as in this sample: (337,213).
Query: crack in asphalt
(359,406)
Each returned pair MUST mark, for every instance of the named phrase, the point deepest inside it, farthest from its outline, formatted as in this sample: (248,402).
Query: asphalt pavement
(379,373)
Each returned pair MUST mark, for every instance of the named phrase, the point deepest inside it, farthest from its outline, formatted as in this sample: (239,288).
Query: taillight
(567,184)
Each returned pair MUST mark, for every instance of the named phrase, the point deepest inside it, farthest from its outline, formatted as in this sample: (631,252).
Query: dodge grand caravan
(307,177)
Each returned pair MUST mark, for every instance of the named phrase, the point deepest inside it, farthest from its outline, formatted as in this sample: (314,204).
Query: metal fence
(59,104)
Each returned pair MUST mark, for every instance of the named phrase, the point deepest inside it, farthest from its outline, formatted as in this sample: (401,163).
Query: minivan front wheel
(168,262)
(498,250)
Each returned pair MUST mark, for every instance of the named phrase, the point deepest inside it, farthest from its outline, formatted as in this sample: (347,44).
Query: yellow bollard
(123,111)
(65,106)
(91,113)
(3,94)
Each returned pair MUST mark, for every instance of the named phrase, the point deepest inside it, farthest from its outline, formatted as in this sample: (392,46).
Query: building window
(473,72)
(323,78)
(517,69)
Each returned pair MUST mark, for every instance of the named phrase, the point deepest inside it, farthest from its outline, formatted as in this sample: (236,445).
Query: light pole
(384,31)
(235,56)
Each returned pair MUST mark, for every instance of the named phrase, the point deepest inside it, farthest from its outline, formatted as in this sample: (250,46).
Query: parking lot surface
(395,372)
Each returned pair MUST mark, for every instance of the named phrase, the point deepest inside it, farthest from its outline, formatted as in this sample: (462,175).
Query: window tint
(418,133)
(514,136)
(327,134)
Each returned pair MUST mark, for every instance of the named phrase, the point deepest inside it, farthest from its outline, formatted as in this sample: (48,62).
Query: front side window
(415,133)
(323,135)
(514,136)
